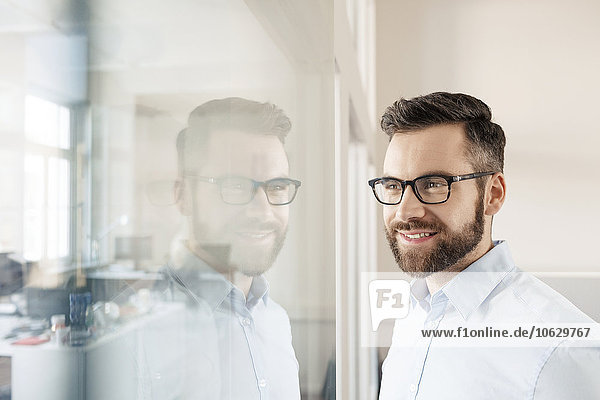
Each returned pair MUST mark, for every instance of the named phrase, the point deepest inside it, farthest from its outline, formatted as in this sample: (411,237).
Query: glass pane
(159,290)
(432,188)
(34,207)
(236,190)
(237,93)
(280,191)
(11,205)
(58,208)
(47,123)
(389,191)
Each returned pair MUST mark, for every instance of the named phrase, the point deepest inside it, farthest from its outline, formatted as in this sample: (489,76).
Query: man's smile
(256,235)
(415,237)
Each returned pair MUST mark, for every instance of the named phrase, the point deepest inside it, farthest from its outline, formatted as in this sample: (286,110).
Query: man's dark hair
(232,113)
(485,139)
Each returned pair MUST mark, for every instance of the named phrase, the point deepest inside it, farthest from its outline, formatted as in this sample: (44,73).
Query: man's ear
(495,194)
(183,197)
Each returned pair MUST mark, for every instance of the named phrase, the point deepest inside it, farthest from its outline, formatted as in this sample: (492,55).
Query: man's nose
(410,207)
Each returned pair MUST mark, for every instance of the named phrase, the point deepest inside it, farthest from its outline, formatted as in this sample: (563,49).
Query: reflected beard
(451,248)
(255,261)
(227,257)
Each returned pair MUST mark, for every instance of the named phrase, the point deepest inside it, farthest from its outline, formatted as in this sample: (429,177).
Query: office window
(47,186)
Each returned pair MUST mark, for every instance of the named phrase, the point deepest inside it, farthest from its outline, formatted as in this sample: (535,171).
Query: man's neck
(436,280)
(241,281)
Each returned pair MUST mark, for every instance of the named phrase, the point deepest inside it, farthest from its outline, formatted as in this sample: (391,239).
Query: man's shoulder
(570,371)
(274,310)
(525,295)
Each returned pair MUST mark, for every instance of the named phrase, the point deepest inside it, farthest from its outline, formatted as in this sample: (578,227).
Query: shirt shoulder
(523,295)
(570,372)
(272,314)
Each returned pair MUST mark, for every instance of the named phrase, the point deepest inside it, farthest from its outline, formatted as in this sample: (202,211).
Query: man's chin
(418,268)
(253,271)
(421,273)
(252,267)
(253,261)
(418,261)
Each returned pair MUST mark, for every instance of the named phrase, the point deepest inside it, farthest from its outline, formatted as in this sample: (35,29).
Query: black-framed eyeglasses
(240,190)
(429,189)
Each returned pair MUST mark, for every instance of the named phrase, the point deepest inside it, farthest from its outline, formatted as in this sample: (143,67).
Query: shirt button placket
(262,387)
(413,391)
(425,344)
(246,322)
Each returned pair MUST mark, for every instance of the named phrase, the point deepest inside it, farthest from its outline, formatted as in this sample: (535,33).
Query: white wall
(536,65)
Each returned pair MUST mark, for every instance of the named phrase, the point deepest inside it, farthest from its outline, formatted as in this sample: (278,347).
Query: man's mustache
(414,225)
(245,226)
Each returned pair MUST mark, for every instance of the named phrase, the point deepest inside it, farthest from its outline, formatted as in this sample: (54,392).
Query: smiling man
(235,192)
(443,183)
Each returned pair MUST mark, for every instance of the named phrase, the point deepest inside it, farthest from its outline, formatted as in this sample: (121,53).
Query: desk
(118,365)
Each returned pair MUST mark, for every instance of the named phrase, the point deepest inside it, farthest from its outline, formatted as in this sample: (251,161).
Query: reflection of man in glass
(234,188)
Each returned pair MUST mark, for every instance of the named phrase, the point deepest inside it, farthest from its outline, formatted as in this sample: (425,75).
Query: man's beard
(231,255)
(256,261)
(449,250)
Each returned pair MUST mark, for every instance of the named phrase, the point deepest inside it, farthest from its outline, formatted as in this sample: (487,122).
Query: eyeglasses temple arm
(470,176)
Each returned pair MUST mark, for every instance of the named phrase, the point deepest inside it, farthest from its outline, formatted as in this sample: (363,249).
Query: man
(443,183)
(235,192)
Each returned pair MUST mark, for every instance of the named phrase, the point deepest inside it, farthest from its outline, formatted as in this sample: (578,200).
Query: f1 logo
(388,299)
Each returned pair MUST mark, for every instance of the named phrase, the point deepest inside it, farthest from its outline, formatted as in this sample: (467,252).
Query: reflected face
(427,238)
(247,237)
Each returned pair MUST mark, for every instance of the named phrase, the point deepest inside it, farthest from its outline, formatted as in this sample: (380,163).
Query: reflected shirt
(237,348)
(491,291)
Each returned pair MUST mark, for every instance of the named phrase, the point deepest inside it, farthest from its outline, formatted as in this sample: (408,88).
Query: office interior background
(93,94)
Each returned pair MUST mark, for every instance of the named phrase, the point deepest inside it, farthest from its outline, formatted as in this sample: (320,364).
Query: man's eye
(232,186)
(391,186)
(278,186)
(433,185)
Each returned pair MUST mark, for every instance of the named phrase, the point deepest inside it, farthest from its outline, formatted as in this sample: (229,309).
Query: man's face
(247,237)
(455,227)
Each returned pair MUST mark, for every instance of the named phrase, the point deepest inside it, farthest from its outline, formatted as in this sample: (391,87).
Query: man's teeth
(418,235)
(255,235)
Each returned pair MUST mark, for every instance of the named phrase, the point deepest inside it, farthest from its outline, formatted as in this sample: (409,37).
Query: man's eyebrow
(439,172)
(432,172)
(276,176)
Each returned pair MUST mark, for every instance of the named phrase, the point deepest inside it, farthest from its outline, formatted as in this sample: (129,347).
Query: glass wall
(168,217)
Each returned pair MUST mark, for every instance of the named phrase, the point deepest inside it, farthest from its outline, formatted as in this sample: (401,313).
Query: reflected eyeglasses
(240,190)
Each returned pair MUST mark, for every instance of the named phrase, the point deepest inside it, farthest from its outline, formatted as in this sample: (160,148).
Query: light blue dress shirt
(490,292)
(235,348)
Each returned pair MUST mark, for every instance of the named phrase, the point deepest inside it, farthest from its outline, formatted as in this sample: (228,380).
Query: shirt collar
(211,286)
(469,288)
(419,290)
(259,290)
